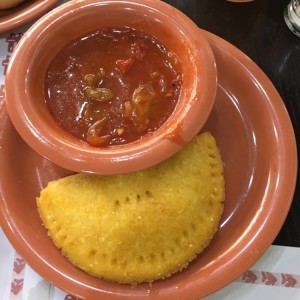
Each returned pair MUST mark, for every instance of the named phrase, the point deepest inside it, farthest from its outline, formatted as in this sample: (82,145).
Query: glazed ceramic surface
(254,133)
(25,83)
(23,13)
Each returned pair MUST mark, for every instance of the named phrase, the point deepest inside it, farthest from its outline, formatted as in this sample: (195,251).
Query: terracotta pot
(25,83)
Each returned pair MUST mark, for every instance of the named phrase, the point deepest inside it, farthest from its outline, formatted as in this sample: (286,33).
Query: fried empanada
(141,226)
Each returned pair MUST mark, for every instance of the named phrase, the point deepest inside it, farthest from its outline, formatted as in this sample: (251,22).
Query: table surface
(259,30)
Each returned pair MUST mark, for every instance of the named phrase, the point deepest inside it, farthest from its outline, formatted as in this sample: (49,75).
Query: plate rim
(22,15)
(278,106)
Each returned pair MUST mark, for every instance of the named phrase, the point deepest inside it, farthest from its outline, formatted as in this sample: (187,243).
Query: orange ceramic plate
(254,133)
(23,13)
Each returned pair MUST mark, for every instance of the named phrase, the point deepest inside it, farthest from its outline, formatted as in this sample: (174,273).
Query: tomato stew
(113,86)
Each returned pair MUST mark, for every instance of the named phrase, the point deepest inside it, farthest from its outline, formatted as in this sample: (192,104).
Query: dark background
(259,30)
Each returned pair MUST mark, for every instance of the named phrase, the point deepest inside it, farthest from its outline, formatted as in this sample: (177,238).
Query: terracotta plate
(23,13)
(257,142)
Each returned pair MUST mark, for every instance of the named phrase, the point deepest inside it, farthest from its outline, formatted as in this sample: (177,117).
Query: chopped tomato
(124,65)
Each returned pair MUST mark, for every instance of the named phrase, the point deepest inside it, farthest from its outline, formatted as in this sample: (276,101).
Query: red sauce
(113,86)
